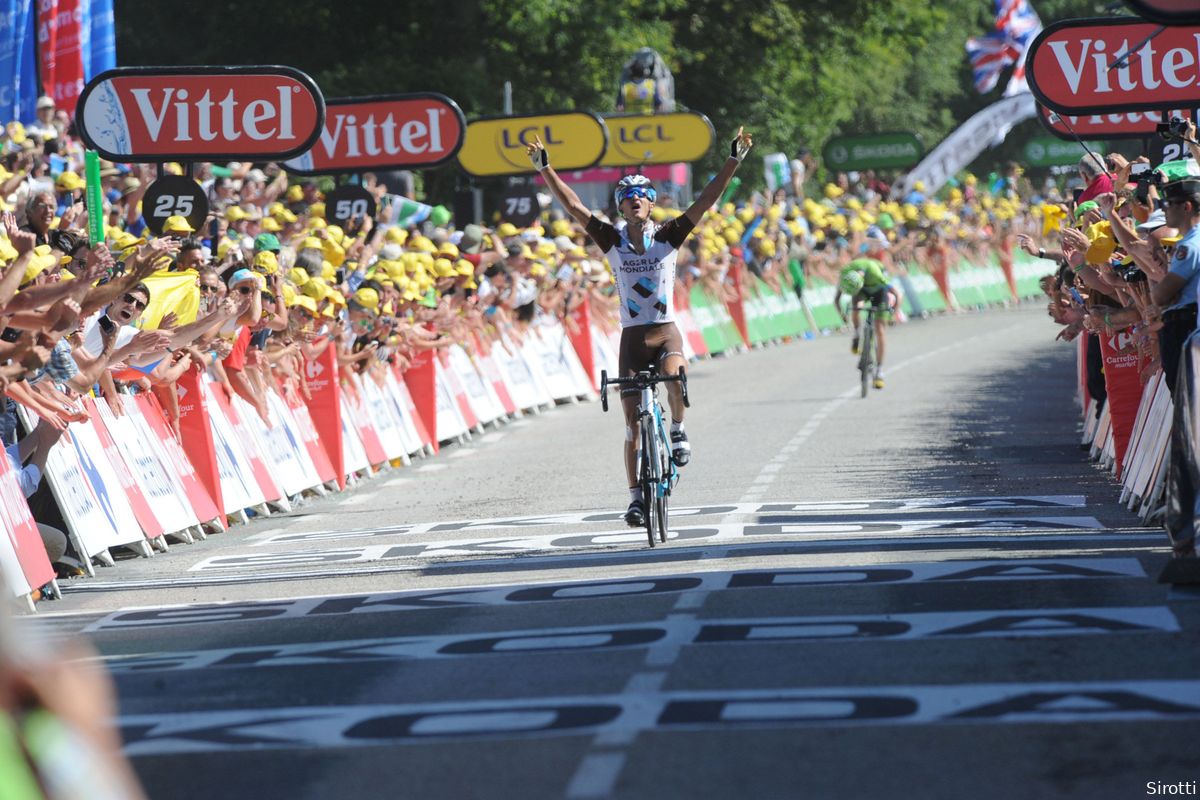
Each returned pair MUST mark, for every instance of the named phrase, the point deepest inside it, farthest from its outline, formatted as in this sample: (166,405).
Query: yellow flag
(172,291)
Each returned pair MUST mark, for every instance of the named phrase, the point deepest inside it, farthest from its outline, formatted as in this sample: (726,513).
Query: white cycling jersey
(646,280)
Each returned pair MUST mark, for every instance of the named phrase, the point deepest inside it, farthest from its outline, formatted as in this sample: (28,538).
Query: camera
(1139,169)
(1175,129)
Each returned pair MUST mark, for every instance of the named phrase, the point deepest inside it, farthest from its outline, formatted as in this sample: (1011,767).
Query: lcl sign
(200,113)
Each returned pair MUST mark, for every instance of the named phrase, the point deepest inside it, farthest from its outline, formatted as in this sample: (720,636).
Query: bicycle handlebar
(642,380)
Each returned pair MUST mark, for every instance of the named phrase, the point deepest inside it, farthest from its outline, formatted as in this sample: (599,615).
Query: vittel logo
(1090,58)
(210,119)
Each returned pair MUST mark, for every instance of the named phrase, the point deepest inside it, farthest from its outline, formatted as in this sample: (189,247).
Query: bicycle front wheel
(650,462)
(661,513)
(866,361)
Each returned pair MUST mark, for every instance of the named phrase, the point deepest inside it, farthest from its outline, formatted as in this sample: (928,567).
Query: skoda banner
(1046,151)
(496,146)
(637,139)
(881,151)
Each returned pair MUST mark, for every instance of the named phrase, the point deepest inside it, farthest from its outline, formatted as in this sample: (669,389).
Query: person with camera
(1176,292)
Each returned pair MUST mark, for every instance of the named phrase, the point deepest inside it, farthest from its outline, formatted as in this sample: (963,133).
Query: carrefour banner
(18,64)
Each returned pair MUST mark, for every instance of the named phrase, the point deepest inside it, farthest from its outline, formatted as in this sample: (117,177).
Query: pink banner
(60,48)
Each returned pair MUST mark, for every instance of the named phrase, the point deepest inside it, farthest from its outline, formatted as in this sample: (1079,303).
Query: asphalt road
(928,593)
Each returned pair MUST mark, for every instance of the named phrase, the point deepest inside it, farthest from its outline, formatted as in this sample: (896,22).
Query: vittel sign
(390,132)
(1085,66)
(200,113)
(1110,125)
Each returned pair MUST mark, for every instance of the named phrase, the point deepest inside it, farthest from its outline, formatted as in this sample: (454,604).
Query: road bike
(866,339)
(656,469)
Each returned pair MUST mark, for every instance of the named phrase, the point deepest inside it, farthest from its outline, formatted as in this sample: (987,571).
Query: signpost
(882,151)
(157,114)
(170,196)
(1123,64)
(638,139)
(384,132)
(496,146)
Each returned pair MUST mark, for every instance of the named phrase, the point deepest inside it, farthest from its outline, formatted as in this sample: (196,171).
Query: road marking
(410,549)
(511,719)
(730,511)
(696,582)
(596,775)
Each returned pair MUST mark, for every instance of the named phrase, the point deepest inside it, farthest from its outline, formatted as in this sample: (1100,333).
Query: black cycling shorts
(643,346)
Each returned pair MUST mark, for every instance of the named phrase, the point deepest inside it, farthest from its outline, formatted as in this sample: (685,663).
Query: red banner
(421,380)
(137,500)
(198,495)
(21,530)
(1123,381)
(737,311)
(325,407)
(196,430)
(60,29)
(1117,125)
(581,339)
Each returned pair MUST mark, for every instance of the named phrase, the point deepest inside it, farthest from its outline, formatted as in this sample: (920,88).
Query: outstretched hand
(537,153)
(741,145)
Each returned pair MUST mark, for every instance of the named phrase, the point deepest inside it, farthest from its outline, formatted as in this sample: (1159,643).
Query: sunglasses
(140,305)
(639,191)
(208,289)
(244,290)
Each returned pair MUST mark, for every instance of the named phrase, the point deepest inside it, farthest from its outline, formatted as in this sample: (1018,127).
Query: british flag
(1017,24)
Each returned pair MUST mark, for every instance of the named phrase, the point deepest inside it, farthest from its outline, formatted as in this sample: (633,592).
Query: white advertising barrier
(603,354)
(546,361)
(450,423)
(241,424)
(154,474)
(388,419)
(354,455)
(483,404)
(495,380)
(1147,453)
(459,393)
(95,510)
(279,452)
(396,391)
(522,386)
(286,434)
(239,490)
(354,402)
(558,341)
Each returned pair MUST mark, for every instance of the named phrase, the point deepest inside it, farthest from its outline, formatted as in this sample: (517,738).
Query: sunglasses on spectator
(206,289)
(140,305)
(639,191)
(245,289)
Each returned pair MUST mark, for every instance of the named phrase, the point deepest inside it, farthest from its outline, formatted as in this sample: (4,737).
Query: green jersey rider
(864,279)
(642,255)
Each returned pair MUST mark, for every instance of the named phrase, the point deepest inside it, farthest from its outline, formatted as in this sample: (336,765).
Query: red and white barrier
(23,561)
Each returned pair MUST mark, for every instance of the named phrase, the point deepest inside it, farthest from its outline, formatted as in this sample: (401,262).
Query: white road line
(431,467)
(596,775)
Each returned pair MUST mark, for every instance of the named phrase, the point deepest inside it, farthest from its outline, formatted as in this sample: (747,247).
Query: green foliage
(792,72)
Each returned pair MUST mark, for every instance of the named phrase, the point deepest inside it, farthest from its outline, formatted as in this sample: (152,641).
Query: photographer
(1176,292)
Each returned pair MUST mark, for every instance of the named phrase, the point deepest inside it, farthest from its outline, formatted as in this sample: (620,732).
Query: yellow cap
(266,263)
(448,250)
(506,229)
(444,268)
(177,224)
(305,302)
(316,288)
(270,225)
(396,235)
(367,297)
(235,214)
(69,182)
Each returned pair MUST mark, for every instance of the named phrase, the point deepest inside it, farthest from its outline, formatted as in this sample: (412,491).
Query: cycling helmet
(851,282)
(634,182)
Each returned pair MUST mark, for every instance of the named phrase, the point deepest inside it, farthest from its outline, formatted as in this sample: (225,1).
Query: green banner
(881,151)
(1047,151)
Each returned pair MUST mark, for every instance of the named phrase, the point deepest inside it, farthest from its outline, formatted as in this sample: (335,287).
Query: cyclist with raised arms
(642,255)
(865,280)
